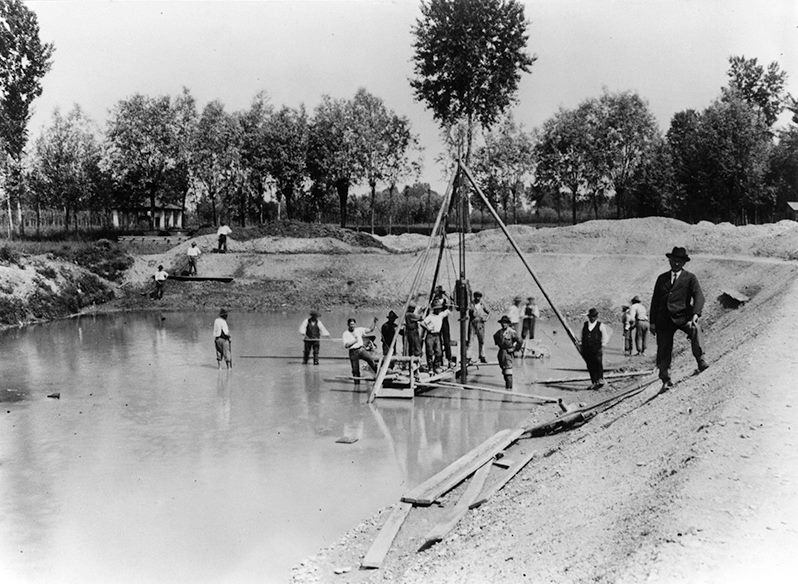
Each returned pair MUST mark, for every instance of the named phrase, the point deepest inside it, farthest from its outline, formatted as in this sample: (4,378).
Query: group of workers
(676,305)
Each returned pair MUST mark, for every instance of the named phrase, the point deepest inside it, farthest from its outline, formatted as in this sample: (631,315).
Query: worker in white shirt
(433,323)
(221,340)
(514,313)
(639,316)
(312,330)
(222,233)
(193,254)
(595,336)
(352,338)
(160,281)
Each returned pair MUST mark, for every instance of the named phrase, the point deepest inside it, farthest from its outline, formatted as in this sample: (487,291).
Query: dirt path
(697,485)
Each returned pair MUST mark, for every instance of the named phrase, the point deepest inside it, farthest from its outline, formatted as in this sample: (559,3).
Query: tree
(332,159)
(254,161)
(145,142)
(286,137)
(563,155)
(762,89)
(24,60)
(64,166)
(783,168)
(623,131)
(468,60)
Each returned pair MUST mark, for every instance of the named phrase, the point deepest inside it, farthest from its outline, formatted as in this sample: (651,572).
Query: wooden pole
(520,254)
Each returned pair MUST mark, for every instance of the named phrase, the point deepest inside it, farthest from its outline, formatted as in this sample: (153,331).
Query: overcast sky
(674,53)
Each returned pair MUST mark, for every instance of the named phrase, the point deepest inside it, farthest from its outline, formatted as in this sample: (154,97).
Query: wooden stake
(511,472)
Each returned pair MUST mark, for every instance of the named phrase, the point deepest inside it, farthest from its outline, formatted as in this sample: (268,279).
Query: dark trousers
(223,243)
(413,343)
(446,339)
(192,266)
(595,364)
(627,342)
(356,355)
(528,329)
(641,332)
(432,344)
(311,346)
(665,346)
(159,288)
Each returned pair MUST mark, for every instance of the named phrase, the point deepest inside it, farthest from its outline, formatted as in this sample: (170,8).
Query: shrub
(12,310)
(9,256)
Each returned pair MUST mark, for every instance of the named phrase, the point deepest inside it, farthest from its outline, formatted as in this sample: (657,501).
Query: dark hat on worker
(624,307)
(678,253)
(504,318)
(518,299)
(314,313)
(223,312)
(478,294)
(592,312)
(635,299)
(392,315)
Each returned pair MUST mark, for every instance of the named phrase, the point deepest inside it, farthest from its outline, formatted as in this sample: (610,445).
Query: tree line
(727,162)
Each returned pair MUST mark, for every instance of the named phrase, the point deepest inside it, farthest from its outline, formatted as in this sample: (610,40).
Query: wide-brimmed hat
(518,299)
(314,313)
(592,312)
(635,299)
(223,312)
(678,253)
(478,294)
(504,318)
(392,315)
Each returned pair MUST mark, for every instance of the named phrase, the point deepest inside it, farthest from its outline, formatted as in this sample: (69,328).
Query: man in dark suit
(676,305)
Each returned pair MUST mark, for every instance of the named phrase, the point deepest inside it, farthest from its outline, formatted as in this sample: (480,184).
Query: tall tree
(286,138)
(64,164)
(563,156)
(332,157)
(468,60)
(783,169)
(24,60)
(255,156)
(761,88)
(145,138)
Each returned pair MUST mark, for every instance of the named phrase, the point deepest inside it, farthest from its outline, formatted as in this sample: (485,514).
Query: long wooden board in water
(606,377)
(289,357)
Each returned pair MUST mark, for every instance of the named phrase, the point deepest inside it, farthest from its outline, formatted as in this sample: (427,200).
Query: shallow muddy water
(155,467)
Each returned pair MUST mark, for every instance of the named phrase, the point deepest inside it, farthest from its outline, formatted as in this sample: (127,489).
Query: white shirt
(219,327)
(161,276)
(480,312)
(605,331)
(355,337)
(514,314)
(534,309)
(193,251)
(638,312)
(433,322)
(674,276)
(224,230)
(303,328)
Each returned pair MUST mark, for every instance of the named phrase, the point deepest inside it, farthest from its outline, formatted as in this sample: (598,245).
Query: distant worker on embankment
(312,330)
(160,282)
(676,305)
(222,233)
(193,254)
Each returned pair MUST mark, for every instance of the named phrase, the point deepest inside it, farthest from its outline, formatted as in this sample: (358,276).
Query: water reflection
(155,467)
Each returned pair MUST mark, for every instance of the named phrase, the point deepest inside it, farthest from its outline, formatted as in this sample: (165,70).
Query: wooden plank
(511,472)
(440,529)
(434,487)
(382,543)
(735,294)
(456,385)
(613,376)
(202,278)
(298,356)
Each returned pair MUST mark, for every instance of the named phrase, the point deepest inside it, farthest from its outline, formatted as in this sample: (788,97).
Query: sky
(673,53)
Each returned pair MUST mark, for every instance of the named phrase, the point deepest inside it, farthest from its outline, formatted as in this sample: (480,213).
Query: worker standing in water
(508,342)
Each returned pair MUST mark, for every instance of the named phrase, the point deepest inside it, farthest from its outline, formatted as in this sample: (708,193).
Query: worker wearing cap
(160,281)
(509,342)
(477,315)
(312,330)
(388,331)
(595,336)
(221,340)
(433,323)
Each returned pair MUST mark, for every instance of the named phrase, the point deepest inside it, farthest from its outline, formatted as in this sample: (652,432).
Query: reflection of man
(676,304)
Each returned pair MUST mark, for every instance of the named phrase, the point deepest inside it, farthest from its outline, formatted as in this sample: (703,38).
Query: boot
(508,381)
